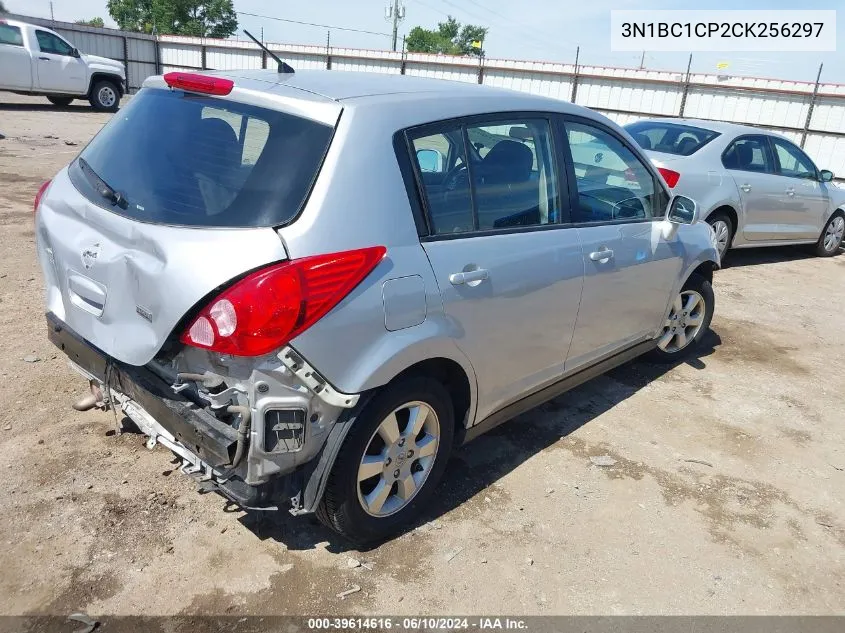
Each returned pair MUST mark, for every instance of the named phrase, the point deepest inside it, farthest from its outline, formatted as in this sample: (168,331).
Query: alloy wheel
(398,459)
(684,322)
(723,235)
(834,233)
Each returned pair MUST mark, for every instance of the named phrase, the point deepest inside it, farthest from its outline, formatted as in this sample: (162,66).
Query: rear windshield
(172,157)
(670,138)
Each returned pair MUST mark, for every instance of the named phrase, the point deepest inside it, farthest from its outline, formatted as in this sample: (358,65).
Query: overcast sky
(519,29)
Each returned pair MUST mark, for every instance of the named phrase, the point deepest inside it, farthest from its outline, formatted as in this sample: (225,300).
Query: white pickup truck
(37,61)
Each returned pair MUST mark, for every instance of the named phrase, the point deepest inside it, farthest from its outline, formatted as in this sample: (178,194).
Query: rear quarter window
(190,160)
(10,35)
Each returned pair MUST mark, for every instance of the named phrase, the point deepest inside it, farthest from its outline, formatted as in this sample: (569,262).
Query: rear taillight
(271,306)
(199,83)
(671,177)
(40,195)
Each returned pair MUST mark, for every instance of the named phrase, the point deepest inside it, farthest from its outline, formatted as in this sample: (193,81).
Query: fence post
(126,61)
(575,75)
(203,55)
(404,53)
(328,50)
(812,107)
(481,68)
(686,88)
(158,55)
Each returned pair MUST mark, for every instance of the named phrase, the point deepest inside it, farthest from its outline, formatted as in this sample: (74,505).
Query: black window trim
(462,122)
(801,152)
(769,149)
(20,32)
(634,149)
(37,31)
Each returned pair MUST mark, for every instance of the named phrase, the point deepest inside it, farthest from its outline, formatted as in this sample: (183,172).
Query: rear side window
(670,138)
(749,153)
(49,43)
(10,35)
(483,177)
(171,157)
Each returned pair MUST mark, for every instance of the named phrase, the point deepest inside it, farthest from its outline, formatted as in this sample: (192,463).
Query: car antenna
(283,67)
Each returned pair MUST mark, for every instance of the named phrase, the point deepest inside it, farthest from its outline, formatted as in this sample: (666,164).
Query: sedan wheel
(398,459)
(723,235)
(833,235)
(684,323)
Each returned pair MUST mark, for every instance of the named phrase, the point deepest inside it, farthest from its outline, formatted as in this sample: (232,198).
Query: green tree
(92,22)
(450,38)
(200,18)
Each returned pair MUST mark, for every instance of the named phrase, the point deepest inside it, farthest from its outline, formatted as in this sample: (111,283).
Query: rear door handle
(46,59)
(479,274)
(746,188)
(601,255)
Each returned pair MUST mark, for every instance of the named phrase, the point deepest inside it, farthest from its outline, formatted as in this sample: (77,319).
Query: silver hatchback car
(755,188)
(312,287)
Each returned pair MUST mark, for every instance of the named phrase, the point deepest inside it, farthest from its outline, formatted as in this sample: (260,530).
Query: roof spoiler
(283,67)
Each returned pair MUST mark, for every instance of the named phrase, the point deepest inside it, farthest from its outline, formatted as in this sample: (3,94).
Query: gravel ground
(724,495)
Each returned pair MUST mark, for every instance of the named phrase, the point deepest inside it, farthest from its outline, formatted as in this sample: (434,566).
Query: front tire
(105,96)
(687,323)
(831,237)
(390,462)
(724,229)
(61,102)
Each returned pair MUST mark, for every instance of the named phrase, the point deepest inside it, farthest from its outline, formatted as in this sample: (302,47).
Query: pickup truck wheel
(105,96)
(62,102)
(688,321)
(390,462)
(831,237)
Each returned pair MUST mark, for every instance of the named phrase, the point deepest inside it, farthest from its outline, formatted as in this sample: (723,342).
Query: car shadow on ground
(476,466)
(81,107)
(768,255)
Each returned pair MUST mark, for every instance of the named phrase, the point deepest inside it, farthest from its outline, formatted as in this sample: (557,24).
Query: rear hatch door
(176,197)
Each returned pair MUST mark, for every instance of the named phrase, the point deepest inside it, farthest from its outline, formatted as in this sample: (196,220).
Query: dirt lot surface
(725,497)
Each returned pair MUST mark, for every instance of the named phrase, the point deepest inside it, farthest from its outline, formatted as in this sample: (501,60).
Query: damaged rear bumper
(205,444)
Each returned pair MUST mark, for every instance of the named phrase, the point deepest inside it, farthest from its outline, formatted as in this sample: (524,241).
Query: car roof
(723,127)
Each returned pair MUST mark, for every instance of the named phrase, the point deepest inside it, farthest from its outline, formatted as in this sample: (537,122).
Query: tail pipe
(243,432)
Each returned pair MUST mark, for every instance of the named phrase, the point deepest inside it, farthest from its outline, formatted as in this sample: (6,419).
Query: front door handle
(467,277)
(46,59)
(746,188)
(790,192)
(601,255)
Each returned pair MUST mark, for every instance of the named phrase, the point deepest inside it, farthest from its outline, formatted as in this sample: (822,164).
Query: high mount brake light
(671,177)
(266,309)
(199,83)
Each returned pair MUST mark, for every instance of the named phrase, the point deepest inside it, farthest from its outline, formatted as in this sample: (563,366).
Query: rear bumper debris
(205,444)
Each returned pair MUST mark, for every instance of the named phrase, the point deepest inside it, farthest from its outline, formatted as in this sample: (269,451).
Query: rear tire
(105,96)
(62,102)
(688,321)
(832,235)
(724,229)
(368,508)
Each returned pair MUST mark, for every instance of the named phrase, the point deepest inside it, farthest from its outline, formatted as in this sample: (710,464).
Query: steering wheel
(455,177)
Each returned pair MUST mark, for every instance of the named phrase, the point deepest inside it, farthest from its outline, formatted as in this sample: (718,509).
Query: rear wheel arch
(729,211)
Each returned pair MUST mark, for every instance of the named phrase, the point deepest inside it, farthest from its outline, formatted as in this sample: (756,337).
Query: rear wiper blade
(102,187)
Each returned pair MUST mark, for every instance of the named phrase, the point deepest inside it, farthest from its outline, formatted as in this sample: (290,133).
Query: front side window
(749,153)
(49,43)
(10,35)
(792,161)
(613,184)
(508,180)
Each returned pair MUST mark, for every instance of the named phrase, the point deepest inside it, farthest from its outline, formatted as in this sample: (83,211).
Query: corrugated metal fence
(811,114)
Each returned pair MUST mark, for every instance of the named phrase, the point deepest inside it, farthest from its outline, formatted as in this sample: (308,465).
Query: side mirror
(430,160)
(74,52)
(825,175)
(682,210)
